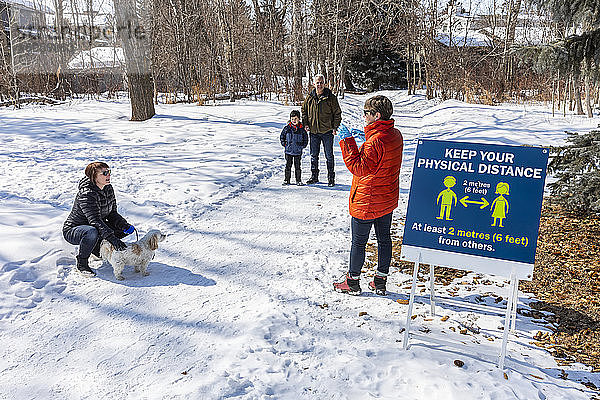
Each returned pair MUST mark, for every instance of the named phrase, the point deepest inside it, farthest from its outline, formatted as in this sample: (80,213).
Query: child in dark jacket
(294,138)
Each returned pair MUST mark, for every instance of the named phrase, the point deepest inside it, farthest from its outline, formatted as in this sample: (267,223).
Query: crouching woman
(94,217)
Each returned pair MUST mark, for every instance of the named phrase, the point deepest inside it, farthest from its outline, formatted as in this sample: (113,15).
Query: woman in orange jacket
(374,194)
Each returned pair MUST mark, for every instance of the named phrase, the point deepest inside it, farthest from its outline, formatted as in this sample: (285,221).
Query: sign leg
(432,290)
(410,303)
(515,299)
(507,318)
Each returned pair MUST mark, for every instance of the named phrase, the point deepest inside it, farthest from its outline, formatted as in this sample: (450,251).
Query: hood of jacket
(380,126)
(86,184)
(326,93)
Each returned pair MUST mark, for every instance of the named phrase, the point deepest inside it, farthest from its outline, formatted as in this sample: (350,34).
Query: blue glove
(129,230)
(357,133)
(343,132)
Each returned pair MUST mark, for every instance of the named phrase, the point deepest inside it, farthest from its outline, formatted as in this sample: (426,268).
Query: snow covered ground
(239,301)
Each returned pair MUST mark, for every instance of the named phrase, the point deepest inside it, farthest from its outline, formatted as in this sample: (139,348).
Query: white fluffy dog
(137,254)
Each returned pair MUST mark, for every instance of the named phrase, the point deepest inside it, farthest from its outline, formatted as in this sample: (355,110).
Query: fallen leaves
(565,278)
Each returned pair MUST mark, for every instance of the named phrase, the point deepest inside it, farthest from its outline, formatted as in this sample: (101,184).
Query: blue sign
(475,199)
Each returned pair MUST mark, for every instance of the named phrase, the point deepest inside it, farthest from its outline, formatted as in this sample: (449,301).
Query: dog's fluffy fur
(137,254)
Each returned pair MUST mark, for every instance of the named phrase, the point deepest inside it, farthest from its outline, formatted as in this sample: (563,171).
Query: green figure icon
(500,204)
(448,198)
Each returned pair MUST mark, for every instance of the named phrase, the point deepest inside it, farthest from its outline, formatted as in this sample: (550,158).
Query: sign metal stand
(510,312)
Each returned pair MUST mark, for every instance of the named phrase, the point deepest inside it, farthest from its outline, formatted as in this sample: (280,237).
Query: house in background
(97,63)
(21,20)
(97,70)
(25,16)
(460,28)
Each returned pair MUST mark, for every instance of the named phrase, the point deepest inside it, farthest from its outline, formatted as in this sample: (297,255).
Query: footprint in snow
(25,284)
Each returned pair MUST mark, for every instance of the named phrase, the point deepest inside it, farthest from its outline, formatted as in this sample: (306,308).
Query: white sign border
(467,262)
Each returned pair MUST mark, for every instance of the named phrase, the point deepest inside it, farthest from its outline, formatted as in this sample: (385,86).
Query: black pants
(289,159)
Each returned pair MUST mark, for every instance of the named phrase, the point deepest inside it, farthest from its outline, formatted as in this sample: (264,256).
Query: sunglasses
(370,112)
(106,173)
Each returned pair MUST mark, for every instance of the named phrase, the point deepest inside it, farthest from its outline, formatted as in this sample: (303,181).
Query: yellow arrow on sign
(483,203)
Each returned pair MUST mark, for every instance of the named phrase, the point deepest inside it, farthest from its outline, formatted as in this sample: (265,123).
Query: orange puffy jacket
(376,170)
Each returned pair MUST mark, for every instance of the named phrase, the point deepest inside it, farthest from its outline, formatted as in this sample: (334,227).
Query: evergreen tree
(576,165)
(567,13)
(376,68)
(577,53)
(577,169)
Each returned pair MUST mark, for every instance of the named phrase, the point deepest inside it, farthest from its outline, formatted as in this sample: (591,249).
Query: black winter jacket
(97,208)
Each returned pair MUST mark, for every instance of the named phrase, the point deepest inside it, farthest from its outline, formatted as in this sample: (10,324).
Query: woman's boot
(83,267)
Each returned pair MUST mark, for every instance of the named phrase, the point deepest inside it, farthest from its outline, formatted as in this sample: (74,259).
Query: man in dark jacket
(321,115)
(94,217)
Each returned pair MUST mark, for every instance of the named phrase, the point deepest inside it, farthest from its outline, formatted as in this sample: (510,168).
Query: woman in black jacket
(94,217)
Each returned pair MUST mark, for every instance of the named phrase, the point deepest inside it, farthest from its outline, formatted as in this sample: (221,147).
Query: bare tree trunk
(577,92)
(588,105)
(511,24)
(558,90)
(428,87)
(414,64)
(567,84)
(298,50)
(570,89)
(553,92)
(12,32)
(137,62)
(450,25)
(342,80)
(419,60)
(227,40)
(408,74)
(334,64)
(60,90)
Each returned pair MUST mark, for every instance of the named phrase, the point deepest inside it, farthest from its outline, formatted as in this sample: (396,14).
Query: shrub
(577,169)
